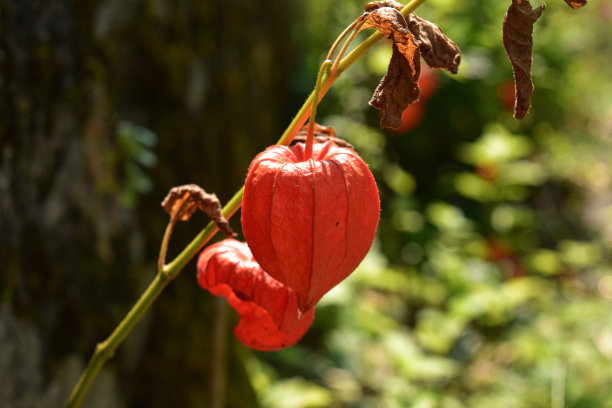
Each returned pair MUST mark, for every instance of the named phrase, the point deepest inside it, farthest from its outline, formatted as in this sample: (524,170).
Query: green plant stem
(328,80)
(332,50)
(313,110)
(161,260)
(357,27)
(172,269)
(106,349)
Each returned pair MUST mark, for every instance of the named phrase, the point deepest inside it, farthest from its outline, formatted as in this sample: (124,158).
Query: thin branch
(106,349)
(163,250)
(300,118)
(358,23)
(332,50)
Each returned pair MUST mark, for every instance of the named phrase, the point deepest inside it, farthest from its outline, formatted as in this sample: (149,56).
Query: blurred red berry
(428,82)
(415,112)
(411,117)
(487,171)
(506,94)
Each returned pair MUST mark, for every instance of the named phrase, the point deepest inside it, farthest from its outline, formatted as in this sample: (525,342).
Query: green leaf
(297,393)
(496,145)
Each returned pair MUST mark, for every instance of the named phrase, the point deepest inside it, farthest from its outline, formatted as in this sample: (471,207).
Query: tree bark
(80,215)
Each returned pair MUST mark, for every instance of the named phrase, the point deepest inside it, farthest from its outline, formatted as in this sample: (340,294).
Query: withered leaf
(517,31)
(437,50)
(319,130)
(183,201)
(322,134)
(373,5)
(399,87)
(576,3)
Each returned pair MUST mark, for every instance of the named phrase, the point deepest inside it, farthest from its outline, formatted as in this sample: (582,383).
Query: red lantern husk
(267,308)
(309,223)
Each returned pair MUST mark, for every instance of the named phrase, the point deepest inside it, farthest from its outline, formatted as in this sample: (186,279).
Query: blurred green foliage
(133,153)
(490,282)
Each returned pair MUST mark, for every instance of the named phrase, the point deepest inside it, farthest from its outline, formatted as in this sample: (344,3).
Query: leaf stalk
(313,110)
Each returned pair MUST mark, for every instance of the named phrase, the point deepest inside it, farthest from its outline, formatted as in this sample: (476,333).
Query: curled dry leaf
(373,5)
(183,201)
(411,39)
(319,130)
(517,32)
(576,3)
(437,50)
(322,134)
(268,309)
(399,87)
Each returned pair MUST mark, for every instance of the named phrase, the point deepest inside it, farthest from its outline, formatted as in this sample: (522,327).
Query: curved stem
(332,50)
(106,349)
(300,118)
(161,260)
(364,46)
(357,25)
(173,268)
(313,110)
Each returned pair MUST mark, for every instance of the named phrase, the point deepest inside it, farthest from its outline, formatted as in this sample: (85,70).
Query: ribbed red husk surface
(267,308)
(309,223)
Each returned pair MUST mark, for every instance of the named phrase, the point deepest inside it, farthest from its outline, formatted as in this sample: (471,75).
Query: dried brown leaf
(517,32)
(399,87)
(322,134)
(183,201)
(319,130)
(373,5)
(576,3)
(437,50)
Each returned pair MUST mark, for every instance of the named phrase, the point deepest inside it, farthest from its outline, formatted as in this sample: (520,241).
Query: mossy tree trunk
(80,214)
